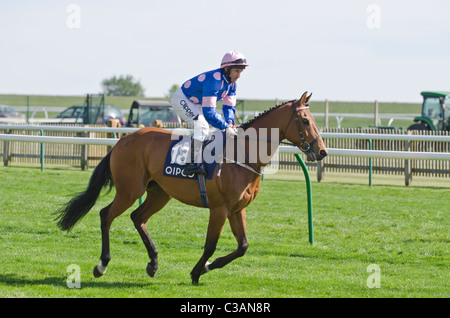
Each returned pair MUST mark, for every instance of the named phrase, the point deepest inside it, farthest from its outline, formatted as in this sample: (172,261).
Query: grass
(403,230)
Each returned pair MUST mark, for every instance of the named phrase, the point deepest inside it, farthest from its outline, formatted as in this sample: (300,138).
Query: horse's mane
(263,114)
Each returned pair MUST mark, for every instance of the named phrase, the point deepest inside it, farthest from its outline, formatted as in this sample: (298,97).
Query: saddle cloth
(180,151)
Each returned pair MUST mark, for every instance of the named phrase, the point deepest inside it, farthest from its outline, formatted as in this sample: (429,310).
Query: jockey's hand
(231,131)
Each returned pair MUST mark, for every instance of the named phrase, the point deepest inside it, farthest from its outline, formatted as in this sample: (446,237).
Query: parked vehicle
(435,112)
(144,113)
(10,113)
(79,113)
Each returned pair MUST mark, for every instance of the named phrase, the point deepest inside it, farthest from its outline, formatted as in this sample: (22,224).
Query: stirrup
(192,168)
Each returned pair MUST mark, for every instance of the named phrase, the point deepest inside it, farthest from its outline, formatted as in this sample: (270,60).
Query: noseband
(304,145)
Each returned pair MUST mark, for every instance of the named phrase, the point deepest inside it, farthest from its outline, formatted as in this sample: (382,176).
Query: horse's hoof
(151,271)
(99,270)
(97,273)
(195,279)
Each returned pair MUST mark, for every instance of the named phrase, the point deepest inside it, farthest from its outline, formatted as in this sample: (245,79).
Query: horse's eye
(306,121)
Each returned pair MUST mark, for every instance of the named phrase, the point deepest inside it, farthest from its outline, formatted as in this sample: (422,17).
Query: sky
(347,50)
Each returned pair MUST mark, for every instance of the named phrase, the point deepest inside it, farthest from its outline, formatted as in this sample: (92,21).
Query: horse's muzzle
(312,156)
(323,153)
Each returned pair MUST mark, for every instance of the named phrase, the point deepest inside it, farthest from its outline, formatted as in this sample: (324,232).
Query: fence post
(157,123)
(408,168)
(326,113)
(113,123)
(41,132)
(7,151)
(375,117)
(84,152)
(28,110)
(320,170)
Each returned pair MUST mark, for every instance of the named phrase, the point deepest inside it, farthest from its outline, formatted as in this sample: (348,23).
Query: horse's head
(303,132)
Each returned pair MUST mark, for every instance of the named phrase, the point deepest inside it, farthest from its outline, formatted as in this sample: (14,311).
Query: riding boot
(195,167)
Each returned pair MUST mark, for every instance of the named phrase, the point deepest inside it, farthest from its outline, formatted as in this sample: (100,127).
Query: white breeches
(191,113)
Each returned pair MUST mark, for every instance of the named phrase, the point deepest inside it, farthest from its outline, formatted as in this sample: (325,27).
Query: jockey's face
(235,73)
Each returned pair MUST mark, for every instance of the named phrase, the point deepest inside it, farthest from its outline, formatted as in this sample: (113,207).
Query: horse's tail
(79,206)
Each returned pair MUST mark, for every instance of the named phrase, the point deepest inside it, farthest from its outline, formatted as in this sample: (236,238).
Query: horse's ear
(308,98)
(303,98)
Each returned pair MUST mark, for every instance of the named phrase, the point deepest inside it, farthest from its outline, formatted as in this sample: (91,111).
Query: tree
(172,90)
(124,85)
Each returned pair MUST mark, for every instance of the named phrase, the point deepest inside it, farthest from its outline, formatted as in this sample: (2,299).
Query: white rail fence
(418,153)
(376,116)
(281,149)
(336,152)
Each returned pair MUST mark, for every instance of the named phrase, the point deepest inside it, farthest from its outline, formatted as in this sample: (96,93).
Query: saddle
(180,152)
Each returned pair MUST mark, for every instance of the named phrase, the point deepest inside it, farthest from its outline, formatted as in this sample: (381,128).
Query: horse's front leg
(237,223)
(217,219)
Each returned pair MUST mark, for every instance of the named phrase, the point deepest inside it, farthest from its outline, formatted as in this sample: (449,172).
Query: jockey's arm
(229,108)
(212,117)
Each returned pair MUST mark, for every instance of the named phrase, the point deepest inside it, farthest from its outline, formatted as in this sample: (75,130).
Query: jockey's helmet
(233,58)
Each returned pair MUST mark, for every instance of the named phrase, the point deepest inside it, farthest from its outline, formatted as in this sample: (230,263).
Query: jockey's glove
(231,131)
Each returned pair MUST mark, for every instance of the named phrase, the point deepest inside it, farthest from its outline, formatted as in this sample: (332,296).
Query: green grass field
(402,230)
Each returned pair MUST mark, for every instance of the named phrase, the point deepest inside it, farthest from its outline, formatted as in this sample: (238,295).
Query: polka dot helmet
(233,58)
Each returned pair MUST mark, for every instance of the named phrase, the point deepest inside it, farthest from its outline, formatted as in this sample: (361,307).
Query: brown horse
(135,166)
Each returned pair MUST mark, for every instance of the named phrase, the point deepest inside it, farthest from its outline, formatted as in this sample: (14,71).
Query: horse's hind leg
(107,215)
(156,199)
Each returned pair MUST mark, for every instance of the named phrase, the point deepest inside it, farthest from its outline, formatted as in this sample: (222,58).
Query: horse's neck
(269,132)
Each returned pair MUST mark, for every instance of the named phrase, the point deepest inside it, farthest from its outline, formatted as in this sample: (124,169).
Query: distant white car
(10,113)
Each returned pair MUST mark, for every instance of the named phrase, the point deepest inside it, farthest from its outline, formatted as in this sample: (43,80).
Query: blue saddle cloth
(180,152)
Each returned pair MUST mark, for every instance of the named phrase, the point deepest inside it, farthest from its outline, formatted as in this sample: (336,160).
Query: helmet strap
(227,70)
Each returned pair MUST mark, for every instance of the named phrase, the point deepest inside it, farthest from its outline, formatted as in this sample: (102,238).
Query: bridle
(305,146)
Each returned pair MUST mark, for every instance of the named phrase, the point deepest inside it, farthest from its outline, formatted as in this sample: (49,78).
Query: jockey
(195,103)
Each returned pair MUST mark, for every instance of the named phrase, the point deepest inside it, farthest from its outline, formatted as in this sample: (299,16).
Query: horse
(135,166)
